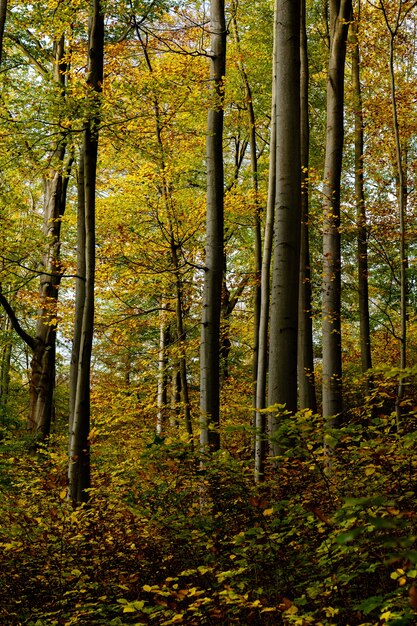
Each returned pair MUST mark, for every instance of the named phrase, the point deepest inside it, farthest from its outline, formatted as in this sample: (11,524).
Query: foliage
(328,538)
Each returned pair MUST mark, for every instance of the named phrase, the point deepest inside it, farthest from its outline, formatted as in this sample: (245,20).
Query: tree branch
(28,339)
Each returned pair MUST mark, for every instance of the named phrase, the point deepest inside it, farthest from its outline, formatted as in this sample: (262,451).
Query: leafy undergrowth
(328,538)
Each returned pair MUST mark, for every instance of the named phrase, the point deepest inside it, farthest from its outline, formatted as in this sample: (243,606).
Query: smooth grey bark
(282,387)
(340,11)
(214,261)
(361,219)
(306,379)
(261,378)
(79,472)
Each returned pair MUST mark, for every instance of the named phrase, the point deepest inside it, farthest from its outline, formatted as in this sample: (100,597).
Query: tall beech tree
(339,16)
(262,370)
(214,260)
(306,380)
(361,218)
(79,446)
(282,388)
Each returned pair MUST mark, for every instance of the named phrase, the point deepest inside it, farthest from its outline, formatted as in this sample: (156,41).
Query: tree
(214,260)
(306,381)
(79,447)
(400,15)
(261,378)
(285,279)
(340,12)
(361,218)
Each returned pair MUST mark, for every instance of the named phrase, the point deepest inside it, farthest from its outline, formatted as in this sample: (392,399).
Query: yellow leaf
(63,493)
(268,512)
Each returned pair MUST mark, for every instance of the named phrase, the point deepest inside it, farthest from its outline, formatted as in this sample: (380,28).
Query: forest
(208,340)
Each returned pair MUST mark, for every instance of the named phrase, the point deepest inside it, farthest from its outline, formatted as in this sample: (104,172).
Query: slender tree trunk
(340,11)
(6,358)
(210,333)
(306,382)
(402,206)
(261,379)
(79,472)
(284,297)
(162,400)
(175,398)
(42,381)
(362,241)
(181,337)
(79,289)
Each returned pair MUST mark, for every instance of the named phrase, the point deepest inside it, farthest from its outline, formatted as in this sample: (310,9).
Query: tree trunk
(162,399)
(284,297)
(79,289)
(340,11)
(5,370)
(79,462)
(42,382)
(306,382)
(260,420)
(210,333)
(362,237)
(181,336)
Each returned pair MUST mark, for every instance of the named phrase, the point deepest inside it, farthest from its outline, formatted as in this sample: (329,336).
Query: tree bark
(361,221)
(79,472)
(210,333)
(340,11)
(5,370)
(284,297)
(79,289)
(306,380)
(261,378)
(162,400)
